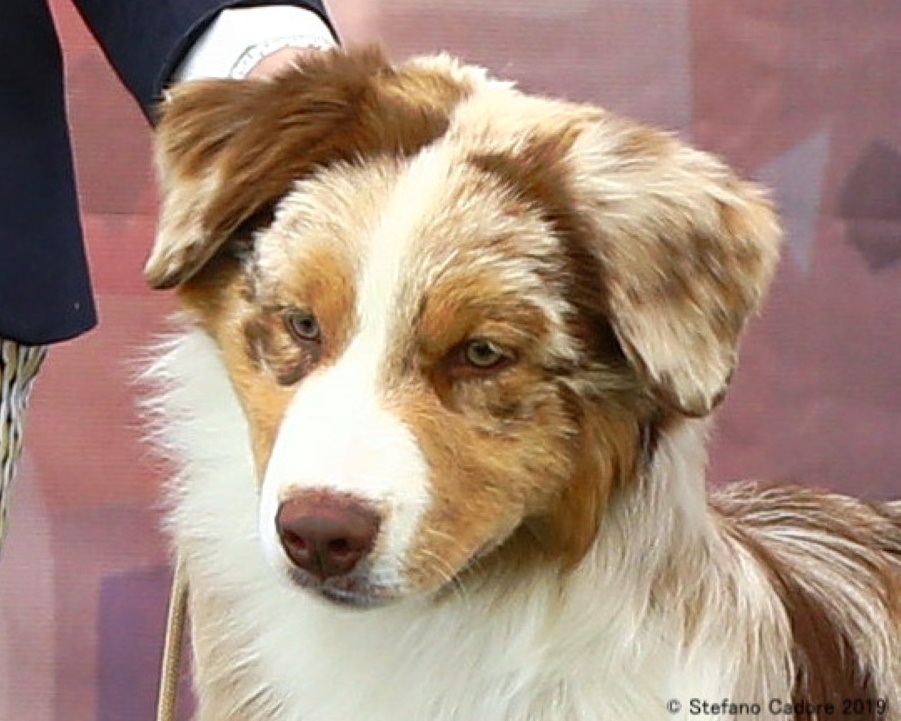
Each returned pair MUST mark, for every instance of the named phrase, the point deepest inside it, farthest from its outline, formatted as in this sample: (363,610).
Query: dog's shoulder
(835,562)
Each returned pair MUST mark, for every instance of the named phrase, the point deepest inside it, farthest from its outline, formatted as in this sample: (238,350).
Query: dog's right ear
(227,151)
(197,123)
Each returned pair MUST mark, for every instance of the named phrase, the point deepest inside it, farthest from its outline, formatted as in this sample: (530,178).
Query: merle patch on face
(273,349)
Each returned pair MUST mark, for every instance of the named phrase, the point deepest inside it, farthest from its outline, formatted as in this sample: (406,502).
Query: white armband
(240,37)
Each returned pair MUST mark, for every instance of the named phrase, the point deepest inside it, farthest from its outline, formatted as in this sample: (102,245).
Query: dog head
(452,312)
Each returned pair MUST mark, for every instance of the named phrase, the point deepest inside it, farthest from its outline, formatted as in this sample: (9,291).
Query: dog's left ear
(687,252)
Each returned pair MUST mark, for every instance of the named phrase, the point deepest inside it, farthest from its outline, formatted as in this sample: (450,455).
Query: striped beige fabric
(19,365)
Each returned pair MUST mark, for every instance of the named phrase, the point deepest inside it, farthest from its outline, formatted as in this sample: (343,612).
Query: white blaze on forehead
(417,198)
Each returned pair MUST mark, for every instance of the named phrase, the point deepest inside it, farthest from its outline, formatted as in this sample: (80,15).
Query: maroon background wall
(802,94)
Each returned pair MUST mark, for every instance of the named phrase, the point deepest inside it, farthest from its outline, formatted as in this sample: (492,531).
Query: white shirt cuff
(239,38)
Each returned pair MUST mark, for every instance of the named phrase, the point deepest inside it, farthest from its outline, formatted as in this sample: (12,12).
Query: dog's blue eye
(483,354)
(302,325)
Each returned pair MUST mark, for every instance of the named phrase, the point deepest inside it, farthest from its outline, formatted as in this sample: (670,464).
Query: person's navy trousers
(45,290)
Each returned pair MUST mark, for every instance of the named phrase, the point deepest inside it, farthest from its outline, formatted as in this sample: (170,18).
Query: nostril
(295,544)
(340,546)
(326,534)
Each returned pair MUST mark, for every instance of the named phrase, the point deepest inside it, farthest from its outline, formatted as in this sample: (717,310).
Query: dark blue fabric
(45,292)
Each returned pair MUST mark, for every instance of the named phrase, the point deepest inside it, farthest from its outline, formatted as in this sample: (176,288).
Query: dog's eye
(302,325)
(484,354)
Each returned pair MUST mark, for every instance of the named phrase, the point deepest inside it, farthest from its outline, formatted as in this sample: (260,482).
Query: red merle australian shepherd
(438,397)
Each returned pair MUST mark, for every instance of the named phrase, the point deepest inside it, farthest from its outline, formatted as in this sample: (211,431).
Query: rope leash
(173,644)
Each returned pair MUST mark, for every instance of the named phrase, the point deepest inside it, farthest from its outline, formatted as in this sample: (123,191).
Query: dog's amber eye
(484,354)
(302,325)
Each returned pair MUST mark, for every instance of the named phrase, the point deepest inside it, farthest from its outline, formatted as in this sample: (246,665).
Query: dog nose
(325,534)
